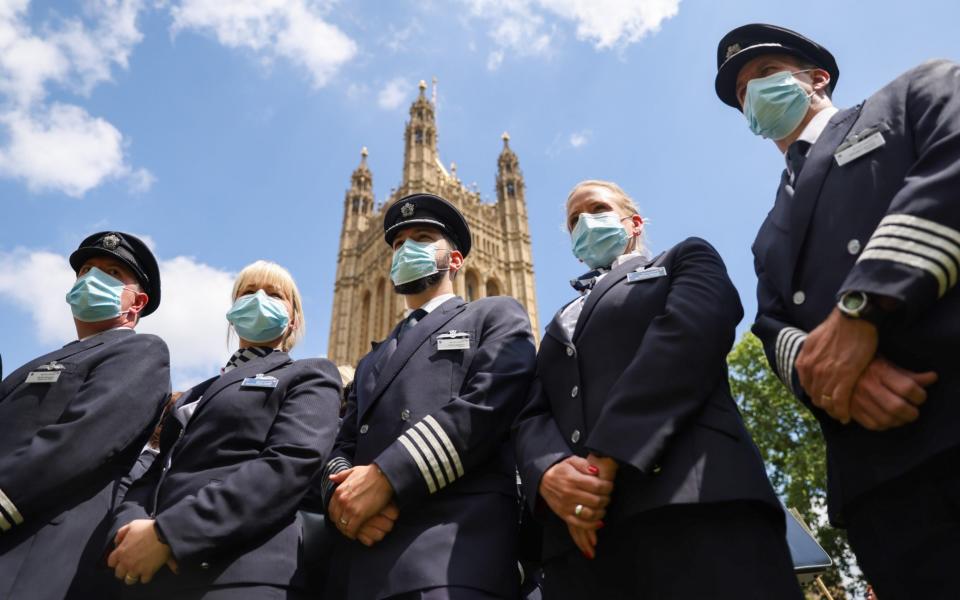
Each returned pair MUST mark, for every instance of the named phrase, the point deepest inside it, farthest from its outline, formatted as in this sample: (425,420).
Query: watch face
(854,302)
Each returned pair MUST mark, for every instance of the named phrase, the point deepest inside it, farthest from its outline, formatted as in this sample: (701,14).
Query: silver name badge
(453,340)
(43,376)
(644,274)
(847,153)
(260,381)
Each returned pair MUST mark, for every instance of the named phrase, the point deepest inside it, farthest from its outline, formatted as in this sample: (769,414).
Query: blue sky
(226,132)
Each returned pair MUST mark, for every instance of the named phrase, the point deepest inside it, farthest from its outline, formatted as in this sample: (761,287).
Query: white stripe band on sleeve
(911,260)
(946,233)
(4,523)
(437,449)
(446,443)
(789,341)
(948,263)
(10,509)
(428,454)
(919,235)
(424,470)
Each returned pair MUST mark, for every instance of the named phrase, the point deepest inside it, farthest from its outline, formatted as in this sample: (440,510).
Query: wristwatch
(858,305)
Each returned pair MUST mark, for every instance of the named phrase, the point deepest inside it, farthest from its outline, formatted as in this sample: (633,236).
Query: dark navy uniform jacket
(224,491)
(64,447)
(886,223)
(644,380)
(436,421)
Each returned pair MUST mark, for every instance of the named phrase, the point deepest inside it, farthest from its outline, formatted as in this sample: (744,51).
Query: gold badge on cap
(407,210)
(110,242)
(733,49)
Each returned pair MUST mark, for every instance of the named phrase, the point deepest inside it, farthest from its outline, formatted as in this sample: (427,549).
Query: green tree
(792,447)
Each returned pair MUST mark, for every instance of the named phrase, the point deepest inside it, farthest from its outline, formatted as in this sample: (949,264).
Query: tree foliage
(792,447)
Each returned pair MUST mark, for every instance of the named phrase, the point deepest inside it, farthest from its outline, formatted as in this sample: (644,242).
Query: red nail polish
(599,524)
(593,470)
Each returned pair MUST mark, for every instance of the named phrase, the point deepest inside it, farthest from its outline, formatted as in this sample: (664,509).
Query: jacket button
(364,428)
(574,392)
(405,415)
(853,246)
(204,565)
(569,351)
(799,297)
(575,436)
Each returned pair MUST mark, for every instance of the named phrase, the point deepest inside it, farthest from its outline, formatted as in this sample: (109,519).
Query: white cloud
(37,282)
(580,138)
(608,23)
(530,27)
(293,30)
(393,93)
(190,318)
(396,39)
(61,146)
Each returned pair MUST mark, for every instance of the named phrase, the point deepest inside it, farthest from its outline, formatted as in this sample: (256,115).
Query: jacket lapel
(605,285)
(815,171)
(412,340)
(266,364)
(75,347)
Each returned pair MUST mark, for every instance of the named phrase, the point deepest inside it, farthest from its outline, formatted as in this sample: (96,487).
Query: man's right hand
(887,396)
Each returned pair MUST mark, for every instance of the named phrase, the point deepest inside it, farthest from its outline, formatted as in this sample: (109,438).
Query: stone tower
(365,307)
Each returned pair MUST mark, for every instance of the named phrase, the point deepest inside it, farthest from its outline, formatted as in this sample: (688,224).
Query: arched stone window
(493,288)
(473,286)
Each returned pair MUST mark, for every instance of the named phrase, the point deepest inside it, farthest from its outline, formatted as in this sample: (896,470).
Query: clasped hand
(139,553)
(361,506)
(839,369)
(584,482)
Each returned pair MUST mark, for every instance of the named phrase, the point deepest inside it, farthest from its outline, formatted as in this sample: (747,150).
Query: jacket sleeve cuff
(909,258)
(423,460)
(327,487)
(9,514)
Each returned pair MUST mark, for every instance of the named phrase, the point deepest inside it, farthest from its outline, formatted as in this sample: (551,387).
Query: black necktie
(796,156)
(411,320)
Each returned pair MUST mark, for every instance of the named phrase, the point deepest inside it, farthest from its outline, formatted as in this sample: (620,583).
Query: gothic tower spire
(420,160)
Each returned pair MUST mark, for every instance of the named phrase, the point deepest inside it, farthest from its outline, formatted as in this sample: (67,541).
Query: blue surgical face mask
(258,317)
(599,238)
(774,106)
(96,297)
(412,261)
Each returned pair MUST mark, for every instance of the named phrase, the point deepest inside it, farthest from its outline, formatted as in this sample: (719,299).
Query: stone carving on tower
(365,308)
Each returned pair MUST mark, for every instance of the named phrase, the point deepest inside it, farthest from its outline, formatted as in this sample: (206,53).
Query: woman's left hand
(139,553)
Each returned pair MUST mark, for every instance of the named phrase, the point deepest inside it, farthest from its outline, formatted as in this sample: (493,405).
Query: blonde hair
(266,273)
(624,202)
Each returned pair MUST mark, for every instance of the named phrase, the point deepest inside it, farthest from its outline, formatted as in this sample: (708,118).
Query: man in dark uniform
(857,266)
(422,475)
(72,423)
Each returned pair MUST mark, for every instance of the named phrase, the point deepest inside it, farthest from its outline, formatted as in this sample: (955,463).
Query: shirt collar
(431,304)
(93,335)
(630,255)
(811,133)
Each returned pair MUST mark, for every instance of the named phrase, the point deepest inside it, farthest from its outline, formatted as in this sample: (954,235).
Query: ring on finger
(131,579)
(344,521)
(577,510)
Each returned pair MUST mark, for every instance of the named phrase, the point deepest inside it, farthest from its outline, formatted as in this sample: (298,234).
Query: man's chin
(418,286)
